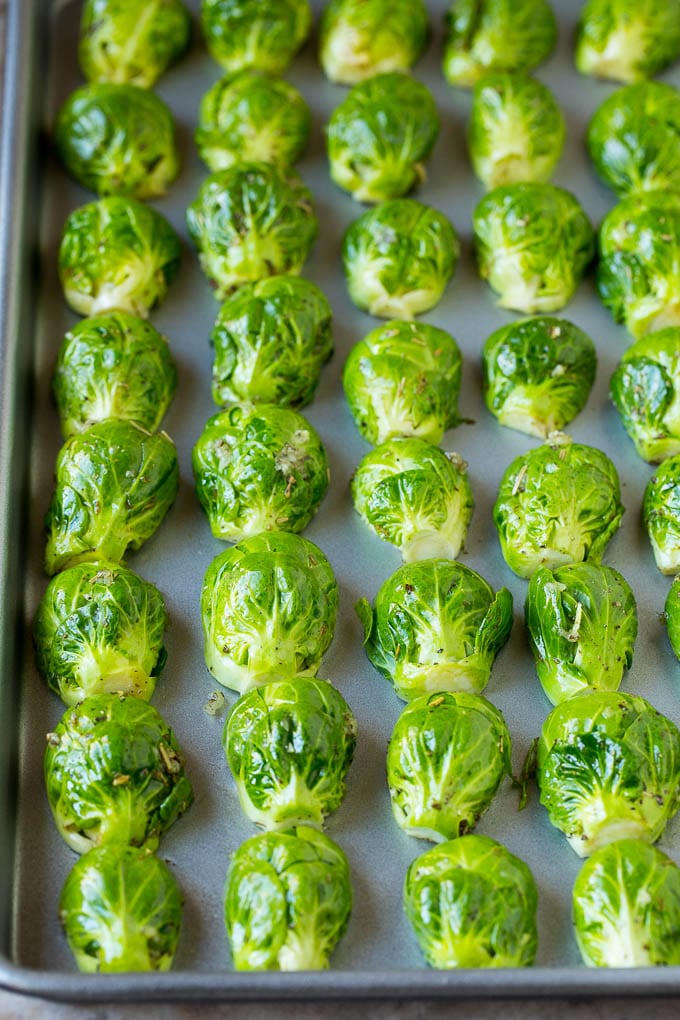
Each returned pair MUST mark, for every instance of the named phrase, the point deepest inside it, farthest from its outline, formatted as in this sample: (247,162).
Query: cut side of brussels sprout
(415,496)
(446,758)
(250,221)
(117,255)
(537,374)
(582,623)
(99,628)
(268,607)
(398,258)
(645,389)
(471,903)
(252,118)
(608,768)
(661,514)
(271,340)
(114,365)
(558,503)
(131,41)
(114,774)
(534,242)
(288,899)
(516,129)
(360,38)
(379,137)
(121,911)
(435,626)
(626,40)
(289,745)
(263,35)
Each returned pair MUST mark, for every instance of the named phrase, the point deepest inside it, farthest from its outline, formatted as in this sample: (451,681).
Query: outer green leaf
(672,615)
(661,514)
(627,39)
(260,34)
(645,389)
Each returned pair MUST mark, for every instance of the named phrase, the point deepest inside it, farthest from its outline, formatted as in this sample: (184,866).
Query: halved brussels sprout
(415,496)
(289,745)
(117,255)
(121,911)
(638,278)
(436,625)
(672,615)
(634,139)
(288,898)
(99,628)
(271,341)
(496,35)
(558,503)
(114,365)
(118,140)
(445,761)
(403,379)
(516,129)
(259,467)
(250,221)
(252,118)
(360,38)
(268,609)
(260,34)
(471,903)
(661,514)
(114,774)
(131,41)
(537,374)
(398,258)
(582,623)
(534,242)
(626,40)
(645,389)
(380,135)
(115,482)
(608,768)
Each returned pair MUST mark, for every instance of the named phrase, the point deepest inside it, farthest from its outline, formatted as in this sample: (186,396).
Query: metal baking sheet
(378,955)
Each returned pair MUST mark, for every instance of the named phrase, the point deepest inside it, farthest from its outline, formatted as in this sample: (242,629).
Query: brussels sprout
(114,774)
(268,607)
(289,745)
(436,626)
(380,135)
(118,140)
(626,40)
(634,139)
(260,34)
(115,482)
(558,503)
(288,898)
(403,379)
(582,623)
(471,903)
(251,117)
(608,768)
(626,907)
(415,496)
(114,365)
(99,628)
(121,910)
(637,273)
(534,243)
(516,129)
(496,35)
(661,514)
(645,389)
(250,221)
(117,255)
(271,340)
(537,374)
(259,467)
(360,38)
(398,258)
(131,40)
(445,760)
(672,615)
